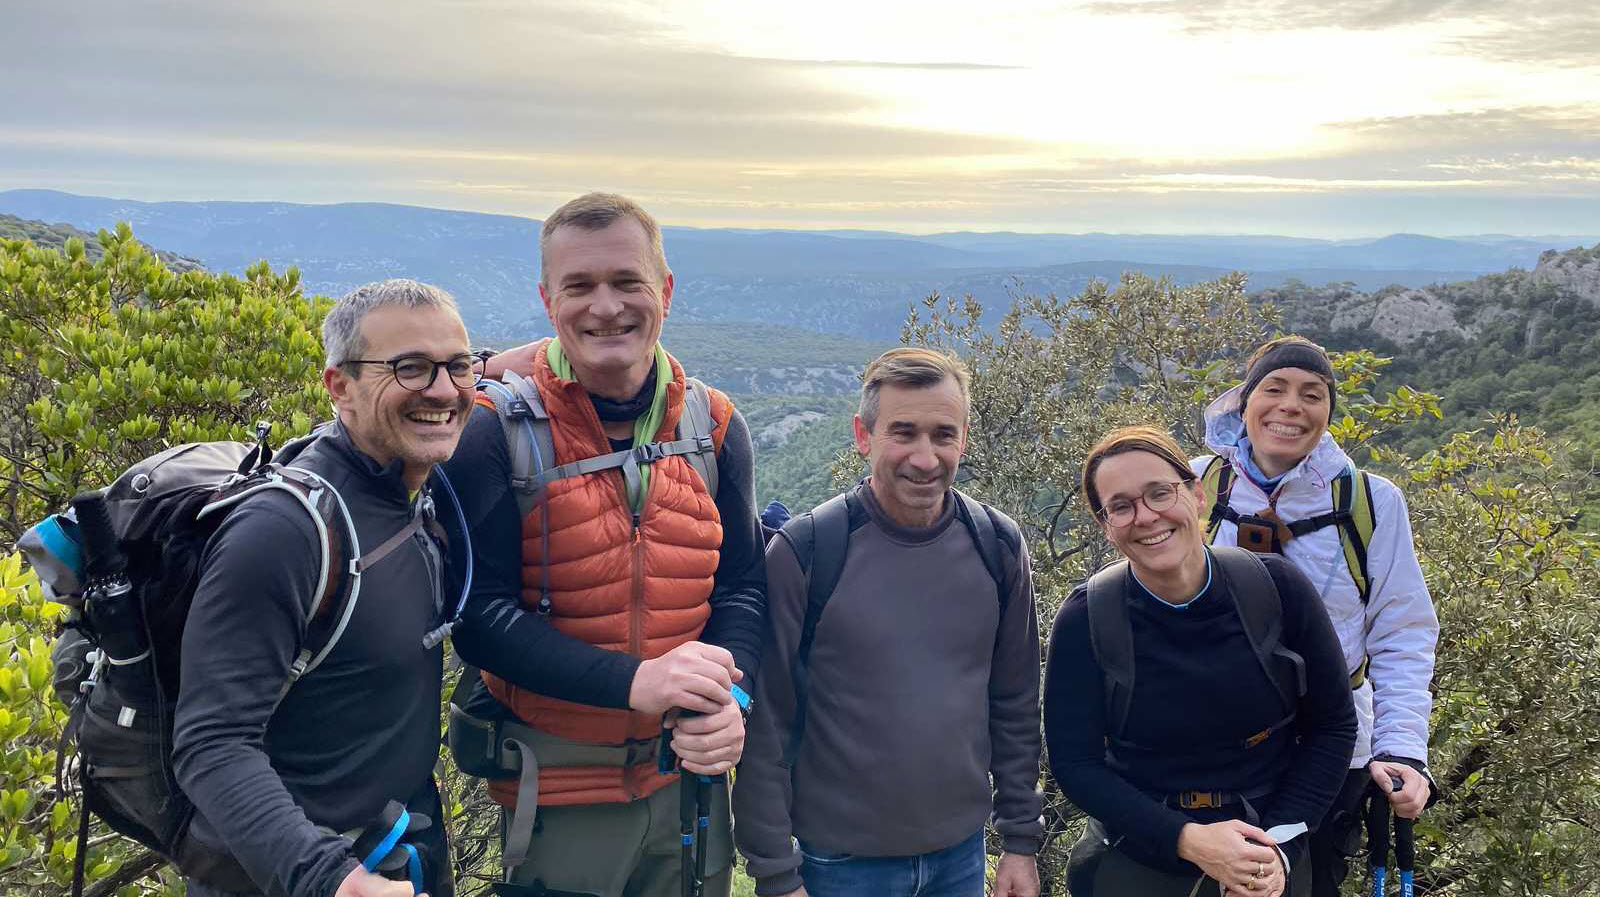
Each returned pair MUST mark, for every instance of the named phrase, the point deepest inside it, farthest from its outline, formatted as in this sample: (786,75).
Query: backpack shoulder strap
(339,580)
(1352,502)
(989,529)
(820,540)
(695,423)
(1218,480)
(1261,612)
(528,438)
(1111,638)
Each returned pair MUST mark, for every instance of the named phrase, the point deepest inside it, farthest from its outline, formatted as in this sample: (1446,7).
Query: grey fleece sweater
(923,685)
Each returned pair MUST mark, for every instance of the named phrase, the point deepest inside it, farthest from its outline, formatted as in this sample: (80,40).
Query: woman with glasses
(1281,485)
(1195,704)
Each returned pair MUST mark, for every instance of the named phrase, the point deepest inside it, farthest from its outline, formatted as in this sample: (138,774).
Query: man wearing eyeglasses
(631,586)
(278,771)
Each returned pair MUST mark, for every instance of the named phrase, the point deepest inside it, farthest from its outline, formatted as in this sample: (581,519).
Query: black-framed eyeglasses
(1158,497)
(417,372)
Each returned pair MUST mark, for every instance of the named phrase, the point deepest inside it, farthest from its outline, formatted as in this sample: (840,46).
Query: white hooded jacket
(1397,628)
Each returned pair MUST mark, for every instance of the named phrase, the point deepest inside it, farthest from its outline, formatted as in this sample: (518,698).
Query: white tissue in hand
(1287,832)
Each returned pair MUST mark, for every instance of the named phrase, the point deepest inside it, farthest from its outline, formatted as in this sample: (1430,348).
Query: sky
(1322,118)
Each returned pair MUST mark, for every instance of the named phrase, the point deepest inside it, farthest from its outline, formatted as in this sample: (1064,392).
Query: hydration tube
(434,637)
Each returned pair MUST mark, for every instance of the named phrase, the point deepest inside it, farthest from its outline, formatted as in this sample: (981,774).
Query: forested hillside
(55,236)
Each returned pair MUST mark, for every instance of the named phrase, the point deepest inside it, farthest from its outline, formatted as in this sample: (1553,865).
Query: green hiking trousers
(632,849)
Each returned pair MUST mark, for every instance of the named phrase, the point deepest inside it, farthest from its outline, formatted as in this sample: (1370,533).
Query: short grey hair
(910,367)
(598,211)
(341,329)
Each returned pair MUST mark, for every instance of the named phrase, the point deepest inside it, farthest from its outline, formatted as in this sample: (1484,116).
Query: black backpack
(820,539)
(1260,611)
(126,561)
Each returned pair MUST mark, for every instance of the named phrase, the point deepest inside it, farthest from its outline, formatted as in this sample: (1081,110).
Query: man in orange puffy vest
(620,580)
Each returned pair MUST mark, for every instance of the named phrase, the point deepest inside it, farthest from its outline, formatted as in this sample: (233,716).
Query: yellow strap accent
(1212,478)
(1361,516)
(1359,677)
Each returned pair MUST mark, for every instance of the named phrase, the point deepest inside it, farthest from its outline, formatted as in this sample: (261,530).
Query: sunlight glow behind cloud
(1164,114)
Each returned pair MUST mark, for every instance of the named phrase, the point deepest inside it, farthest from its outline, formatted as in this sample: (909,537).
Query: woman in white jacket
(1276,470)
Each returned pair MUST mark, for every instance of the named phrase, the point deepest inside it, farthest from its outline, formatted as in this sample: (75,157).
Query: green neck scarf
(645,425)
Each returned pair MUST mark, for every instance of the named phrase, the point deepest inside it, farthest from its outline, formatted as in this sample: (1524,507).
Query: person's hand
(1237,854)
(519,360)
(361,883)
(1413,794)
(797,892)
(693,676)
(1016,875)
(709,744)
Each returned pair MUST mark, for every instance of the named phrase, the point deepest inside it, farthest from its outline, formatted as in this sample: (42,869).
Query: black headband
(1291,355)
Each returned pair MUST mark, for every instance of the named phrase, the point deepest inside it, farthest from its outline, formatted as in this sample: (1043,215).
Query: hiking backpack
(1352,514)
(126,562)
(1260,608)
(820,539)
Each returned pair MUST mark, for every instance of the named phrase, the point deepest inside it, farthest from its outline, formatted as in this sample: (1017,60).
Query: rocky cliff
(1407,316)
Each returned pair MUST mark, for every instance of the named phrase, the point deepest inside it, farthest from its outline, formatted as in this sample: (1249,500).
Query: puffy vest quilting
(644,592)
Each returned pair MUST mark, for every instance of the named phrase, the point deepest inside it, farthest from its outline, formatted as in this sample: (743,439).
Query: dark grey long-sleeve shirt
(269,779)
(923,684)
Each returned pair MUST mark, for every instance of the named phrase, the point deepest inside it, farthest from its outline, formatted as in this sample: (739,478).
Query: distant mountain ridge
(844,282)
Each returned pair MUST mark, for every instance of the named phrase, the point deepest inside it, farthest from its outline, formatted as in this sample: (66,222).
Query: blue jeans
(956,871)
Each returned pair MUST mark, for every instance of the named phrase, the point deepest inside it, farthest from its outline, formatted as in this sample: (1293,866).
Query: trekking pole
(687,811)
(702,802)
(694,812)
(1405,851)
(1405,845)
(1378,841)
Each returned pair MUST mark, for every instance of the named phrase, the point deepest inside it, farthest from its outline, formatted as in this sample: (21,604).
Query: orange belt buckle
(1200,800)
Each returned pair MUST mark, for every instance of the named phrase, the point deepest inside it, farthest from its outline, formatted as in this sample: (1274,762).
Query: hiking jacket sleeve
(739,593)
(1075,729)
(763,795)
(1325,722)
(1402,630)
(496,632)
(258,578)
(1014,718)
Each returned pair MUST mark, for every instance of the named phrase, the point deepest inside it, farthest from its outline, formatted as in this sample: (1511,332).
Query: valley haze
(844,282)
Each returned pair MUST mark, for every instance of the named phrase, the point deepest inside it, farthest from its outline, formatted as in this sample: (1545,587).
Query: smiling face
(914,448)
(1285,416)
(388,421)
(607,298)
(1162,546)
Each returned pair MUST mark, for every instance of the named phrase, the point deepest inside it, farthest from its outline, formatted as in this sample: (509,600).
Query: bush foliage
(108,359)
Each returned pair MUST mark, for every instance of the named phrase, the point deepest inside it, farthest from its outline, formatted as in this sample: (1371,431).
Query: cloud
(876,64)
(1537,32)
(562,79)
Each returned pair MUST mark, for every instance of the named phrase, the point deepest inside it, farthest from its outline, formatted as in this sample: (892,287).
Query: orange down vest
(642,589)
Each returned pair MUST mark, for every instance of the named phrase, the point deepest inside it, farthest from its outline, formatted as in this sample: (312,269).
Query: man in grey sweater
(879,726)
